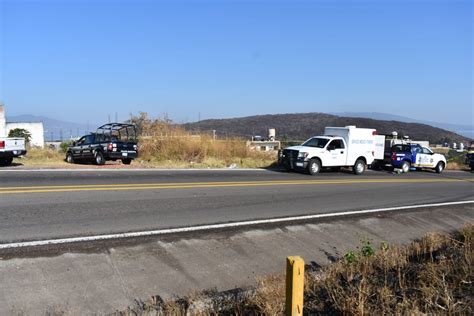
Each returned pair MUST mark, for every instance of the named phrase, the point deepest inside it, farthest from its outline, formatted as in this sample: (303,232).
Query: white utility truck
(11,147)
(339,147)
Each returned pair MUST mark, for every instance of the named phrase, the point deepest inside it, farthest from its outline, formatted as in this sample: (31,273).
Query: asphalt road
(56,204)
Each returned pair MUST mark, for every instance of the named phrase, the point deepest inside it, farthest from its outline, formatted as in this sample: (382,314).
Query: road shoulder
(106,278)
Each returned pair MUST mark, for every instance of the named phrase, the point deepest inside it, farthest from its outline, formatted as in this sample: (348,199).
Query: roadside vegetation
(163,144)
(456,160)
(431,276)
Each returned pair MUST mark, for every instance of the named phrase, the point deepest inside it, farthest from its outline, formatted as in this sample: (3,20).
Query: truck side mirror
(331,147)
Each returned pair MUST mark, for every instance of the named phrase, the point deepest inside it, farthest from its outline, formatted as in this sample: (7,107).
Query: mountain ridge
(462,129)
(300,126)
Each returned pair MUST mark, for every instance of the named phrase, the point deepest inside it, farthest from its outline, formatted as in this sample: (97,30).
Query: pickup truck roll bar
(120,130)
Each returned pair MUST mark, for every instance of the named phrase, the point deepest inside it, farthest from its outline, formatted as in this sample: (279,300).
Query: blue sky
(84,60)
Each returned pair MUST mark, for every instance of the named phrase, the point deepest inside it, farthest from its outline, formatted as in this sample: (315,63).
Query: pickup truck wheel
(405,166)
(314,166)
(359,166)
(439,167)
(126,161)
(6,161)
(99,158)
(69,158)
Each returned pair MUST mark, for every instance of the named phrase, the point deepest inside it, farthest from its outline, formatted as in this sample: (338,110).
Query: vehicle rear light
(110,147)
(2,144)
(375,133)
(394,156)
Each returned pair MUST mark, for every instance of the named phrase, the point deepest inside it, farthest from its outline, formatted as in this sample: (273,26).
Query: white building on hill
(36,129)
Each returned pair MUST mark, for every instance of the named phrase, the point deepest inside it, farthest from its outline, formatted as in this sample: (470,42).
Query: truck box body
(360,142)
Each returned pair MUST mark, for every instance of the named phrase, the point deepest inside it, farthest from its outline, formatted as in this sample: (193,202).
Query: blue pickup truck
(406,156)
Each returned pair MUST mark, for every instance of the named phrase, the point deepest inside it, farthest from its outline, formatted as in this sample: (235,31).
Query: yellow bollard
(294,285)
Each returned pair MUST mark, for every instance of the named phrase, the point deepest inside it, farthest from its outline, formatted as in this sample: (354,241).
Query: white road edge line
(216,226)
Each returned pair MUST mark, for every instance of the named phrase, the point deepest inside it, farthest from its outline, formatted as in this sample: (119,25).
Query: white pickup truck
(11,148)
(339,147)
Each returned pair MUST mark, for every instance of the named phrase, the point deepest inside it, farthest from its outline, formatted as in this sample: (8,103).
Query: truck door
(337,153)
(425,158)
(86,147)
(77,148)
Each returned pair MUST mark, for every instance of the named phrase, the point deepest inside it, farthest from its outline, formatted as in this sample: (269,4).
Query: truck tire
(126,161)
(439,167)
(405,166)
(314,166)
(4,162)
(359,167)
(8,161)
(69,158)
(99,158)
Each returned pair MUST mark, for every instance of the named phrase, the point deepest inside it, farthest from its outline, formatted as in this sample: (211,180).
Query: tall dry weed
(160,140)
(431,276)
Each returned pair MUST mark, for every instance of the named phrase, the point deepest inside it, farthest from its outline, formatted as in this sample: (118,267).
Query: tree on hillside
(20,132)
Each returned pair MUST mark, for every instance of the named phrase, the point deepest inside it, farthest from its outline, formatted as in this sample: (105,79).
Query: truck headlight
(302,155)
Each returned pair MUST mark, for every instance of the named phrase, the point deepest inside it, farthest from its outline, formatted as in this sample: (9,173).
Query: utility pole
(214,134)
(109,118)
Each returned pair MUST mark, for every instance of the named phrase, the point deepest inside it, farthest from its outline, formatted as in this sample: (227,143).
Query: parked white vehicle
(10,148)
(339,147)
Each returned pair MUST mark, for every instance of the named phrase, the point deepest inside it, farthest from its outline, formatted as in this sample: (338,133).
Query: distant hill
(53,129)
(464,130)
(304,125)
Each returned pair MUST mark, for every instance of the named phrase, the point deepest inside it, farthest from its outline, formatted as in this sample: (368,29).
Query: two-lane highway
(57,204)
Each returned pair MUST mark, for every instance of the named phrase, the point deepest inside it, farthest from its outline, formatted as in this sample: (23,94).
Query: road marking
(189,185)
(168,231)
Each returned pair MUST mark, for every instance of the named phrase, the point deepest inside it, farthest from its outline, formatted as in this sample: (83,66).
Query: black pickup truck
(113,141)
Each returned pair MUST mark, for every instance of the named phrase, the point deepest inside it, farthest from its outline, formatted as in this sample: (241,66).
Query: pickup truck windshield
(316,142)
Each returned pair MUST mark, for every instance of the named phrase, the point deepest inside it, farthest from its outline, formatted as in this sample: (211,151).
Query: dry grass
(431,276)
(37,157)
(164,145)
(456,166)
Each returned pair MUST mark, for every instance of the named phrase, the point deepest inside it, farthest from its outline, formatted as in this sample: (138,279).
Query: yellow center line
(188,185)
